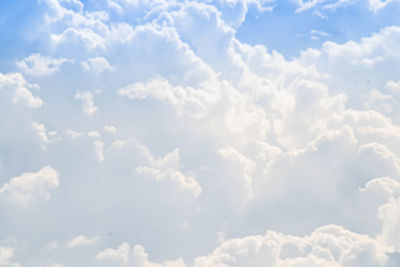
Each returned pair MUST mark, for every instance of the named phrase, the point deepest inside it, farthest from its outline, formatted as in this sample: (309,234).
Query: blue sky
(289,32)
(199,133)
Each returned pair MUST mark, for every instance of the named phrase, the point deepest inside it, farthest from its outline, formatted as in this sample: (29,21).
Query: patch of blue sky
(289,32)
(19,26)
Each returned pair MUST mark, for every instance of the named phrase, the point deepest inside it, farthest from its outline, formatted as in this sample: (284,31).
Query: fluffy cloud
(89,107)
(6,254)
(166,168)
(82,240)
(20,87)
(110,129)
(123,255)
(387,190)
(329,245)
(375,5)
(217,138)
(45,137)
(31,186)
(363,59)
(38,65)
(97,65)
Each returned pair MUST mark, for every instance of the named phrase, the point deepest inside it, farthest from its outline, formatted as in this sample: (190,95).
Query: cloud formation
(31,186)
(172,136)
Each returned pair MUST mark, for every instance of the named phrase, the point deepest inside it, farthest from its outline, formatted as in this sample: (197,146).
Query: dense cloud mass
(152,133)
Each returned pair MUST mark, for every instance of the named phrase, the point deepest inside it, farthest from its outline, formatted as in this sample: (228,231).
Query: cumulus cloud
(6,255)
(321,5)
(73,134)
(89,107)
(31,186)
(82,240)
(166,168)
(202,136)
(20,87)
(368,56)
(97,65)
(246,168)
(183,100)
(124,255)
(38,65)
(329,245)
(110,129)
(393,86)
(375,5)
(45,136)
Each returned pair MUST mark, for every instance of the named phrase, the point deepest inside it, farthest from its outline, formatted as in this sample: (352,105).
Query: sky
(227,133)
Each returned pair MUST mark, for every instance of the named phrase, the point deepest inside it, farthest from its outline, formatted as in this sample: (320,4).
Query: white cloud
(21,92)
(376,5)
(166,168)
(73,133)
(393,86)
(321,5)
(110,129)
(94,134)
(90,39)
(89,107)
(97,65)
(255,141)
(52,245)
(123,255)
(45,137)
(184,100)
(186,182)
(38,65)
(82,240)
(99,150)
(246,168)
(6,254)
(31,186)
(329,245)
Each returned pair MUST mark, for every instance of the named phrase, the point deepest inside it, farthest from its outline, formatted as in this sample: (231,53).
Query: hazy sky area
(229,133)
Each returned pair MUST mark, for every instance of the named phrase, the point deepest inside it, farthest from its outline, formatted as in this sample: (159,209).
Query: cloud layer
(139,133)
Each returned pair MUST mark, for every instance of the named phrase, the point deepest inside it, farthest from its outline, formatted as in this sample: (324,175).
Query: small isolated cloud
(52,245)
(94,134)
(135,256)
(316,34)
(110,129)
(74,134)
(82,240)
(38,65)
(45,137)
(97,65)
(31,186)
(89,107)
